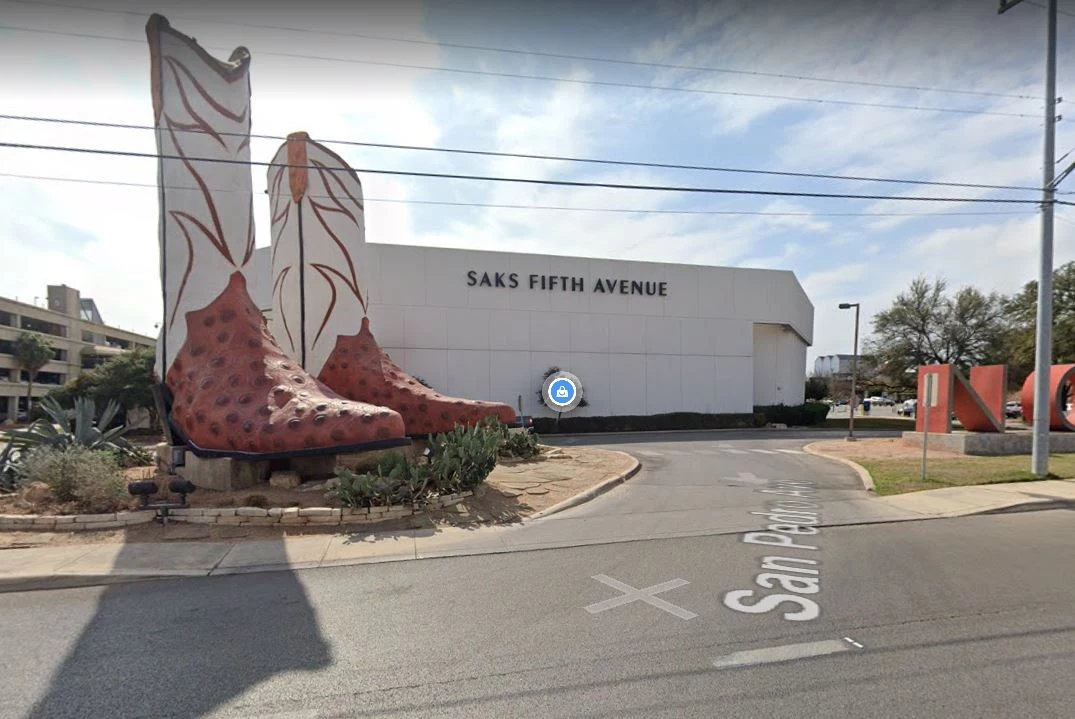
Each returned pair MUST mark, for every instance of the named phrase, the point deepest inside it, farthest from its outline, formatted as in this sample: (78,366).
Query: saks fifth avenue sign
(565,283)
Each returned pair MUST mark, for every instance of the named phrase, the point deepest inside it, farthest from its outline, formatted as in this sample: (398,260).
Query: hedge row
(798,415)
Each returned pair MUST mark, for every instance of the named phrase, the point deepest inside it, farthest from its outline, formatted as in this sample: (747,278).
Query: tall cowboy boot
(233,391)
(318,232)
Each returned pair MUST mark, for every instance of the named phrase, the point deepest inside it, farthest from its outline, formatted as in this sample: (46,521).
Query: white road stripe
(785,653)
(646,453)
(791,451)
(734,451)
(852,642)
(763,451)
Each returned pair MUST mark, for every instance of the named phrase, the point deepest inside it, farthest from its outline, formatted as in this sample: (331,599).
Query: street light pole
(854,370)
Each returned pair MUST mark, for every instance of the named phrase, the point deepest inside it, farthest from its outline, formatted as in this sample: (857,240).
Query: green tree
(1021,310)
(927,325)
(32,352)
(817,388)
(126,378)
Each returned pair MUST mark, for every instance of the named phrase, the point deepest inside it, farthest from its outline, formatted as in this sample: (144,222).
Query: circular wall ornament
(562,392)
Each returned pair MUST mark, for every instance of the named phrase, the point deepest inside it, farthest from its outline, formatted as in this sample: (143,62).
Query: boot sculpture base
(234,393)
(358,369)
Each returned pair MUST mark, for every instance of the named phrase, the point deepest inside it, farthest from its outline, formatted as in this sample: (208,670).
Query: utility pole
(1044,340)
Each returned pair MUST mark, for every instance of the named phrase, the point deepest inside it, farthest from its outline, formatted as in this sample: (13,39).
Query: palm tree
(32,352)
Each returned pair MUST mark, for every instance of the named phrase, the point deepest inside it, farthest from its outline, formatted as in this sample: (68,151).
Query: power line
(537,53)
(556,158)
(625,210)
(550,78)
(1058,10)
(533,181)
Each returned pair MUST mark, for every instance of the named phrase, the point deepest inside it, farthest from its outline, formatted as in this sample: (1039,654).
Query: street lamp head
(848,305)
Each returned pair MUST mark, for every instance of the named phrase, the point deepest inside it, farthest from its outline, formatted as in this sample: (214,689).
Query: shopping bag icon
(561,392)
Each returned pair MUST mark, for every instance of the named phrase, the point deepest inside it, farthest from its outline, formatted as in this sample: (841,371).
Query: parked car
(1013,410)
(907,408)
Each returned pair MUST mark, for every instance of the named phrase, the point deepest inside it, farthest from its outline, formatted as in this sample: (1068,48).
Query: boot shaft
(318,240)
(201,108)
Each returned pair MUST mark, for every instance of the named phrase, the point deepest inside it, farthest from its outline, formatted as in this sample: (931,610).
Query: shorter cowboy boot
(235,393)
(359,369)
(319,306)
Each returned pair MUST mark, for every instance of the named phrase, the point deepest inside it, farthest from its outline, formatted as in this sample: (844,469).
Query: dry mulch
(515,490)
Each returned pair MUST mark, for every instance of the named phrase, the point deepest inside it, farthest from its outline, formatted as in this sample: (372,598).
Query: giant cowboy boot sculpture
(318,232)
(233,392)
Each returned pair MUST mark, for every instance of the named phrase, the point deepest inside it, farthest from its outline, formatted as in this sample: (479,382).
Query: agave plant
(64,428)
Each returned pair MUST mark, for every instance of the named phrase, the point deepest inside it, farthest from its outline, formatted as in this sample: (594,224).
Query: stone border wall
(243,516)
(990,444)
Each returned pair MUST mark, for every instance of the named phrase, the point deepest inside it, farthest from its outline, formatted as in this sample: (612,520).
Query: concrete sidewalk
(89,565)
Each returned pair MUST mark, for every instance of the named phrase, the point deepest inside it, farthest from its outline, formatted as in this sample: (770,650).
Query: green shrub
(90,478)
(461,459)
(394,480)
(520,445)
(133,456)
(81,426)
(643,423)
(458,461)
(800,415)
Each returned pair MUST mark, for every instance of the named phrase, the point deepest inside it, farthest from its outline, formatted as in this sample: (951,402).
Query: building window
(59,355)
(50,378)
(117,342)
(7,319)
(7,347)
(87,336)
(91,361)
(45,328)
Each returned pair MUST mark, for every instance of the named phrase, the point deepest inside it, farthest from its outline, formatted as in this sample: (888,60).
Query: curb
(50,582)
(864,475)
(592,492)
(1033,505)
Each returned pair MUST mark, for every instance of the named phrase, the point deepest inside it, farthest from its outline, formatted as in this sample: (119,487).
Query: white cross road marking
(748,477)
(785,653)
(630,594)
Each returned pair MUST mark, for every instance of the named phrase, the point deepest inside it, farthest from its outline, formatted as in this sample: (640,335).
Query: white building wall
(692,350)
(779,359)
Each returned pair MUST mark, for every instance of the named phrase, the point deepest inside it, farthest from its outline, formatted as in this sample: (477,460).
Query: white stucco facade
(666,338)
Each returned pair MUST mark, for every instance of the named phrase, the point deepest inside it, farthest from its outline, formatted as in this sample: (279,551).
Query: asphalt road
(705,482)
(971,617)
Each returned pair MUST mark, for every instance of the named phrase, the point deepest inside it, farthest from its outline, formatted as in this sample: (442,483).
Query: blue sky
(101,238)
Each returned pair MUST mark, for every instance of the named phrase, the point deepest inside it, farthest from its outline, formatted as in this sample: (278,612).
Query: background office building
(833,365)
(643,337)
(79,336)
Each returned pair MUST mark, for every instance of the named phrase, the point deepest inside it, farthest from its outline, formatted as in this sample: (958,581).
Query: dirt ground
(515,490)
(880,449)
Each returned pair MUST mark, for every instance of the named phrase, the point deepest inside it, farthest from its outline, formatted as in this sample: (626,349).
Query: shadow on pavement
(182,648)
